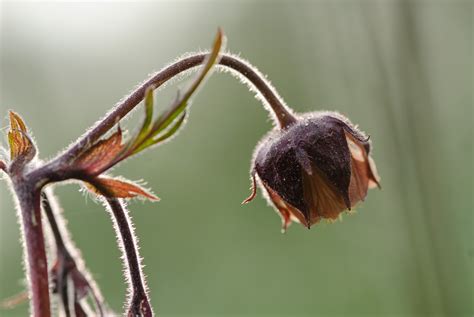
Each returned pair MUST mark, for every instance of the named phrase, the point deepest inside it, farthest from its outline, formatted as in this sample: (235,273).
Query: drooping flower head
(315,168)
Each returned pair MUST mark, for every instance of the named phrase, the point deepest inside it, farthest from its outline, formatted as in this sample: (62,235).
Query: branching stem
(59,169)
(282,114)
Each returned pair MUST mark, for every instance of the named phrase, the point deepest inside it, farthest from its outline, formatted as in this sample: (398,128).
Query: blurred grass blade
(14,301)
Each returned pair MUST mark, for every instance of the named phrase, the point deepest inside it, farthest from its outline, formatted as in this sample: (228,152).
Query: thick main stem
(36,262)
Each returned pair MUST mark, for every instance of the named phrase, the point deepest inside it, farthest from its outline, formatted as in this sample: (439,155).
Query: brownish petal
(287,212)
(363,173)
(374,178)
(322,199)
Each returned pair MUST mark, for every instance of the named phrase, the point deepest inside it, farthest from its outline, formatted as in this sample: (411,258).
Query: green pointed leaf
(145,129)
(148,109)
(171,131)
(180,104)
(172,119)
(176,125)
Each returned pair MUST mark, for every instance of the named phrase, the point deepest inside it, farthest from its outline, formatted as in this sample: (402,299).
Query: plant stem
(59,168)
(282,114)
(68,257)
(62,255)
(50,214)
(37,266)
(139,304)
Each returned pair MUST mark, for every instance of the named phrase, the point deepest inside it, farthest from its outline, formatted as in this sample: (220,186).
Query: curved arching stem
(59,168)
(283,115)
(29,182)
(280,112)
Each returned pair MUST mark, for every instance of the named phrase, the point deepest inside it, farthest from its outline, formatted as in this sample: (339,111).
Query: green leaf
(180,104)
(172,119)
(166,135)
(171,131)
(145,129)
(148,109)
(18,139)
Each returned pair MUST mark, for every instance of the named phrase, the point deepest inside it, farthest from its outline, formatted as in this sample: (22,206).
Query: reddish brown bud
(315,168)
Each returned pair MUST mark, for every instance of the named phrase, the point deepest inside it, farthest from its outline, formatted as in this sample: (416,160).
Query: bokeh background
(402,70)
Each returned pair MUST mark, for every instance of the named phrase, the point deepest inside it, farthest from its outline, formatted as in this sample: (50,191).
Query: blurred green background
(402,70)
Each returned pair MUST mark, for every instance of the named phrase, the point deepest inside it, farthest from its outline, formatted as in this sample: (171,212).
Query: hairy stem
(59,169)
(282,114)
(51,216)
(139,304)
(68,258)
(62,256)
(36,262)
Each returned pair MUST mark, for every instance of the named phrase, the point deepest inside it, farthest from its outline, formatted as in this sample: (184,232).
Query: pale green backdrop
(402,70)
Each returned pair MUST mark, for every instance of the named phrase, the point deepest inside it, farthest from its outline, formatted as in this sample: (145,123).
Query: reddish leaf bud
(315,168)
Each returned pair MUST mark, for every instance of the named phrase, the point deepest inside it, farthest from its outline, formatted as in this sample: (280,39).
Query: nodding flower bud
(315,168)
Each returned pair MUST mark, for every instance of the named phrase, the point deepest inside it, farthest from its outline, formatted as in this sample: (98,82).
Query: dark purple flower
(314,169)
